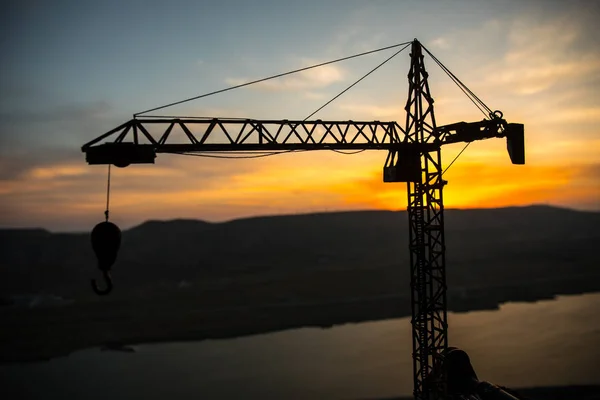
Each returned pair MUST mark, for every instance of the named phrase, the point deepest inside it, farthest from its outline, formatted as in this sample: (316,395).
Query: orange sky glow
(543,75)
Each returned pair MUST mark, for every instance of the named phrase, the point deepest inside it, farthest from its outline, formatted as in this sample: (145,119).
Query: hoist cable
(107,194)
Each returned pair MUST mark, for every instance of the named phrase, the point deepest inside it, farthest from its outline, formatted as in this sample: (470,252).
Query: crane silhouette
(413,157)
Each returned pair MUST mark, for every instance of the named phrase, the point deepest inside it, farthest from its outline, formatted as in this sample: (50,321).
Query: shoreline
(39,334)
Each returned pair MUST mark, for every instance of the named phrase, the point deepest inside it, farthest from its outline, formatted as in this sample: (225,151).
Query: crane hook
(106,240)
(109,286)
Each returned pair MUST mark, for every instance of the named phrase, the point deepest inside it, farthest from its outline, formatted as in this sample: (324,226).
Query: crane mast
(426,235)
(414,157)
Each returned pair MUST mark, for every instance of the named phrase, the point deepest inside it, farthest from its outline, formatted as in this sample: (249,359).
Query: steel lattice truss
(228,134)
(426,236)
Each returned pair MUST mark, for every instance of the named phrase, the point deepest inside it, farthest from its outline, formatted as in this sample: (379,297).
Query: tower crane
(413,157)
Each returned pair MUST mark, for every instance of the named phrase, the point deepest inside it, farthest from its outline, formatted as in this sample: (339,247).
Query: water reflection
(546,343)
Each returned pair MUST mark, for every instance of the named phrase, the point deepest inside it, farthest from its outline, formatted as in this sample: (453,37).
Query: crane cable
(107,194)
(317,110)
(261,155)
(356,82)
(269,78)
(472,96)
(350,87)
(456,158)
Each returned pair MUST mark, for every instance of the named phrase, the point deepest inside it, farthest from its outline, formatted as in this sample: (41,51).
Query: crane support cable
(456,158)
(266,154)
(269,78)
(350,87)
(356,82)
(472,96)
(460,84)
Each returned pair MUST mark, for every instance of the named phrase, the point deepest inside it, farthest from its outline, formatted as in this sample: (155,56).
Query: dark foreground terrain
(591,392)
(192,280)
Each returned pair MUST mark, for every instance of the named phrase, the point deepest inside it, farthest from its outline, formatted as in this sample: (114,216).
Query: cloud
(441,43)
(17,164)
(42,190)
(55,172)
(64,113)
(527,55)
(177,186)
(314,96)
(370,111)
(310,79)
(540,56)
(63,126)
(71,195)
(579,115)
(564,149)
(547,65)
(540,70)
(355,37)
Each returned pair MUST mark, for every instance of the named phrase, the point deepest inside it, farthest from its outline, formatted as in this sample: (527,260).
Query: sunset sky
(72,70)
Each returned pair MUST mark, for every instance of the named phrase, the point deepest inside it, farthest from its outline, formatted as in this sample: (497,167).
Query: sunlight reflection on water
(554,342)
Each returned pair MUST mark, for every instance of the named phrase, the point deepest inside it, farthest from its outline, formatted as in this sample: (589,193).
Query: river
(548,343)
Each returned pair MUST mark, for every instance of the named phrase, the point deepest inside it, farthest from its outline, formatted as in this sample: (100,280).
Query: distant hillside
(484,247)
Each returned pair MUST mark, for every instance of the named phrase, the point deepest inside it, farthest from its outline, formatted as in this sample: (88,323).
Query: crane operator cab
(462,382)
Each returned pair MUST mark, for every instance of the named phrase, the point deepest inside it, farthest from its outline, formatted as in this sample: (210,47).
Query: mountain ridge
(511,242)
(192,280)
(300,214)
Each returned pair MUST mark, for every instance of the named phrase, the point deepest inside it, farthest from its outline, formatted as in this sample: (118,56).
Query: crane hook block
(106,240)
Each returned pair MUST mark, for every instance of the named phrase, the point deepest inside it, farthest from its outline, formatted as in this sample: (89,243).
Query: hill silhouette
(485,246)
(192,280)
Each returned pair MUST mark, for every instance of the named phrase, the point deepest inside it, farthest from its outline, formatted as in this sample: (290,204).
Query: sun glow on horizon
(537,63)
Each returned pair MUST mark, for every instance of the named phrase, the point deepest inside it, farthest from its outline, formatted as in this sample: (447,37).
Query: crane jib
(227,135)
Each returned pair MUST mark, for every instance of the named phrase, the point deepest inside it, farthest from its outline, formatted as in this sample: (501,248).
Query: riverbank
(41,334)
(46,332)
(547,343)
(192,280)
